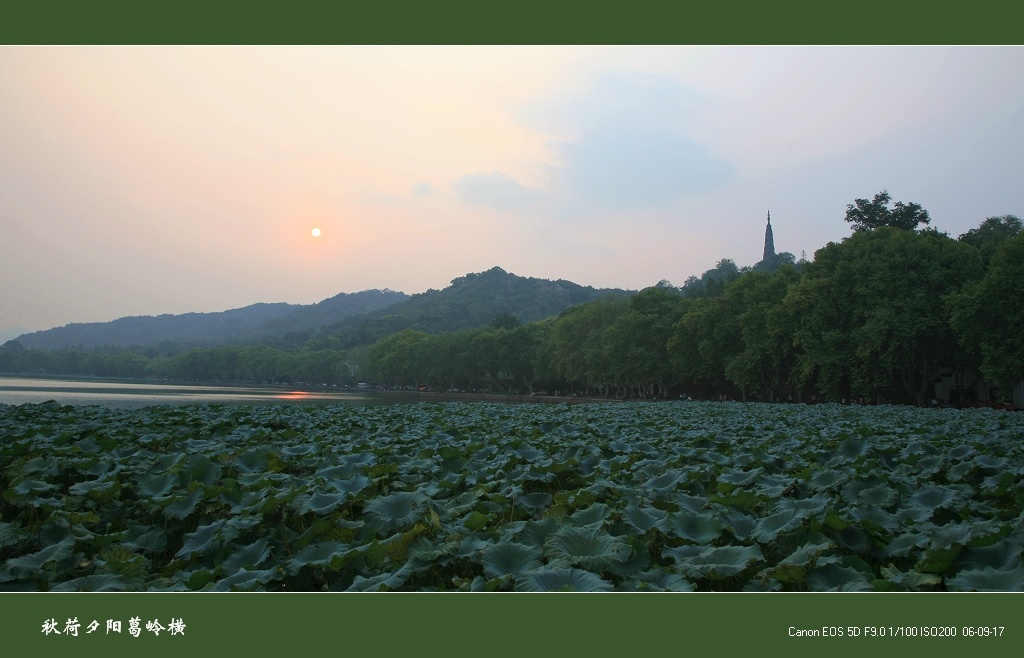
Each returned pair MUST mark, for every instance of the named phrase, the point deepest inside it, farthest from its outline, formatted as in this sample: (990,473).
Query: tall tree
(399,358)
(576,338)
(988,315)
(866,215)
(870,315)
(767,355)
(713,281)
(992,233)
(704,340)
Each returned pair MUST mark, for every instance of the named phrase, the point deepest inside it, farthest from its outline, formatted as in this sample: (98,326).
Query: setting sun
(316,233)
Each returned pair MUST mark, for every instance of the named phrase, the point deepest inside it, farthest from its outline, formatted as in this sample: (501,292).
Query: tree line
(881,317)
(235,364)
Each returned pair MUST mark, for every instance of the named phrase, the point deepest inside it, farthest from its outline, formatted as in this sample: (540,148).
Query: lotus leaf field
(676,496)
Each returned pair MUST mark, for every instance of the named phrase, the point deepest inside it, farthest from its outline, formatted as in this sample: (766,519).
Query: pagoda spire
(769,240)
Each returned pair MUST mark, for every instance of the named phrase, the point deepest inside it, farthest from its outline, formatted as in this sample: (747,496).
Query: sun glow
(316,233)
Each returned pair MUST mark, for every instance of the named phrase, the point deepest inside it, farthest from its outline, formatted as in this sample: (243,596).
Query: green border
(508,624)
(516,624)
(868,22)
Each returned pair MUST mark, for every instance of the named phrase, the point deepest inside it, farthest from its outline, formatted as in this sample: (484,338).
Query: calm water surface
(25,390)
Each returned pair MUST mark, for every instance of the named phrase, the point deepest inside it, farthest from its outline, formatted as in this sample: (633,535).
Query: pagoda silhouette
(769,240)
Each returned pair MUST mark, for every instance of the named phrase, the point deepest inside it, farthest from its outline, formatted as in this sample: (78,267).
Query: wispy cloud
(423,189)
(496,190)
(632,167)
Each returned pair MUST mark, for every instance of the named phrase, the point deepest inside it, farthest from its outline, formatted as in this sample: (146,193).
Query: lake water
(26,390)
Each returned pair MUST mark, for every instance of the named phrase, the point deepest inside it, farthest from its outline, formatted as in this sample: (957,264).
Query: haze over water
(24,390)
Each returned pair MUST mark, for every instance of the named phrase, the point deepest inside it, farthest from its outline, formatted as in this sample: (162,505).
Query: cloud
(615,98)
(423,189)
(628,143)
(496,190)
(631,166)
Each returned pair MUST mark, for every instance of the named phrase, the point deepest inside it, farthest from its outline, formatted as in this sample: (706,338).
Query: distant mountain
(251,323)
(329,312)
(473,300)
(354,319)
(13,332)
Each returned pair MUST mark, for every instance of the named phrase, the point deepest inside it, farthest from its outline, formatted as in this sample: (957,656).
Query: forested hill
(494,297)
(249,324)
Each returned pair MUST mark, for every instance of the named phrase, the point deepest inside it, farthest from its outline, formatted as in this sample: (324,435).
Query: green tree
(398,359)
(635,344)
(577,349)
(992,233)
(703,341)
(767,351)
(868,313)
(988,315)
(519,352)
(713,281)
(866,215)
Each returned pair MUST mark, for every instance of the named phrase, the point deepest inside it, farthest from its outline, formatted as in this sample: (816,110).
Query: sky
(152,180)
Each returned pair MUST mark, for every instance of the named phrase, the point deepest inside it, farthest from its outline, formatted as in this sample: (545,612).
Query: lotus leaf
(944,537)
(934,497)
(93,583)
(903,544)
(201,469)
(28,565)
(1002,555)
(873,516)
(700,528)
(534,501)
(879,495)
(184,506)
(510,559)
(793,568)
(691,503)
(595,514)
(146,538)
(395,511)
(645,518)
(807,507)
(253,460)
(562,580)
(325,553)
(588,547)
(247,580)
(828,479)
(318,503)
(94,488)
(8,534)
(206,538)
(658,580)
(769,527)
(384,581)
(740,523)
(938,560)
(247,557)
(29,486)
(664,482)
(722,562)
(988,579)
(911,580)
(535,533)
(837,578)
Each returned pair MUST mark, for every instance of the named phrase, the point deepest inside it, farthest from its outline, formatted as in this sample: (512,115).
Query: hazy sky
(149,180)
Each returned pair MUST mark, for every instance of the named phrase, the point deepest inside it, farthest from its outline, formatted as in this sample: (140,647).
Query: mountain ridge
(360,318)
(194,329)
